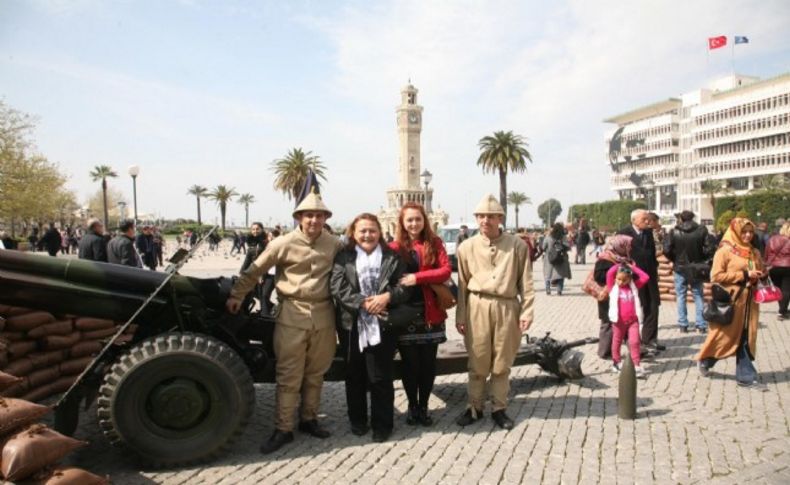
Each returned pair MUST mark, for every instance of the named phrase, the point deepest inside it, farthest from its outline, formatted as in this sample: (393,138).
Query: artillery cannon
(182,389)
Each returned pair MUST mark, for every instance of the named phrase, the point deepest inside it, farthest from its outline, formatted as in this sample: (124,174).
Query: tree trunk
(516,218)
(246,215)
(222,216)
(503,194)
(104,196)
(198,205)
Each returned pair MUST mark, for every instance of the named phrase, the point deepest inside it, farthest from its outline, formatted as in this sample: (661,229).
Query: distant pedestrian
(582,240)
(598,241)
(777,258)
(7,242)
(556,264)
(51,240)
(121,250)
(93,246)
(145,246)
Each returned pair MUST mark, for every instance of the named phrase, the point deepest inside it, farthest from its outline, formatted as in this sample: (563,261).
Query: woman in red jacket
(426,263)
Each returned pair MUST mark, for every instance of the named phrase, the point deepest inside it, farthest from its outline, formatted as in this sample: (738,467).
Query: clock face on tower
(413,118)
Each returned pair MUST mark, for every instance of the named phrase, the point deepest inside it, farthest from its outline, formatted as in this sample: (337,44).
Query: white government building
(409,121)
(734,131)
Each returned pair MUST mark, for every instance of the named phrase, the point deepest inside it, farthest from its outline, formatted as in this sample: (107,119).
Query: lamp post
(648,185)
(121,211)
(134,171)
(426,177)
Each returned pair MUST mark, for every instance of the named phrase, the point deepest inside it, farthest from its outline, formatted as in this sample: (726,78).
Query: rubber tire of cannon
(154,369)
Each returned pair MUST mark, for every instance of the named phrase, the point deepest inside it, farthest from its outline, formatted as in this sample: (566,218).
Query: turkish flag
(716,42)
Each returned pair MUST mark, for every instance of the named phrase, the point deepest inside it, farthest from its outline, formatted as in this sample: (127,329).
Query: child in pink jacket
(623,282)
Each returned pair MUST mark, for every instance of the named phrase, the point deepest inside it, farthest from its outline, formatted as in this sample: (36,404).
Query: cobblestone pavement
(689,429)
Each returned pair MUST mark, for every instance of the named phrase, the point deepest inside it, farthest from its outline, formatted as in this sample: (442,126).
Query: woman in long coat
(736,264)
(559,271)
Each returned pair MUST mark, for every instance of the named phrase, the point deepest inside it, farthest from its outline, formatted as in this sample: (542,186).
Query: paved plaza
(688,429)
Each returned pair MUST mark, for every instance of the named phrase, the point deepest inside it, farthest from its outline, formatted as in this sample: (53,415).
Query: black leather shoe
(655,346)
(424,418)
(684,329)
(380,435)
(413,418)
(360,429)
(502,420)
(314,429)
(276,441)
(467,418)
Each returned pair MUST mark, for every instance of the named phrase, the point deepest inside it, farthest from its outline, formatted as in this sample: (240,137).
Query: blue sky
(210,92)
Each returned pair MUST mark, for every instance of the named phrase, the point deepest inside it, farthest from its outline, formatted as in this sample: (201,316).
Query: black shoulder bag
(720,309)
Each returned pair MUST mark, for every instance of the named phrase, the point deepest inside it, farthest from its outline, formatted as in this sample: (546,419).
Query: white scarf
(368,269)
(614,300)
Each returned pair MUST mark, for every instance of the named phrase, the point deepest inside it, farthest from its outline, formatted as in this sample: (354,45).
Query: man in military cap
(495,305)
(304,336)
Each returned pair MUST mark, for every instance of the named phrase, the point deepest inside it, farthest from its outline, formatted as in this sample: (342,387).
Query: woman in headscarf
(617,251)
(556,267)
(777,258)
(736,264)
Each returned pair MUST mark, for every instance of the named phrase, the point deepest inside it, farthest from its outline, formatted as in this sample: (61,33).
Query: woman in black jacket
(364,283)
(618,251)
(256,243)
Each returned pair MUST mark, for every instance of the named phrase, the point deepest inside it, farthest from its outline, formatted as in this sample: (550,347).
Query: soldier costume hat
(489,205)
(312,202)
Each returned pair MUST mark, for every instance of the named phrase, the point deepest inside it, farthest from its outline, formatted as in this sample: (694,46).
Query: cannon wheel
(176,399)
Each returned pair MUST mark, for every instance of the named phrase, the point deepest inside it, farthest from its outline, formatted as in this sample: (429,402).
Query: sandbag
(8,380)
(3,359)
(99,334)
(12,336)
(17,390)
(34,448)
(66,475)
(46,359)
(664,272)
(21,348)
(43,376)
(11,311)
(2,324)
(88,347)
(131,329)
(20,367)
(667,297)
(55,387)
(88,324)
(54,342)
(29,321)
(75,366)
(16,413)
(61,327)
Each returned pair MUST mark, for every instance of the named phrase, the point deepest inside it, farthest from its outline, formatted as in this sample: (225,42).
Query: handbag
(592,288)
(445,296)
(403,315)
(720,309)
(766,293)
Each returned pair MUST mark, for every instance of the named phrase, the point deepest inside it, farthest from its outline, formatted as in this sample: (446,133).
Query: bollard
(626,399)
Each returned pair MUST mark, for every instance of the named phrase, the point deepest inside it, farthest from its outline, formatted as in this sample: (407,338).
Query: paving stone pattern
(689,429)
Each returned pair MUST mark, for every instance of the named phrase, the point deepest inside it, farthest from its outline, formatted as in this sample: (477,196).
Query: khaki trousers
(303,357)
(492,341)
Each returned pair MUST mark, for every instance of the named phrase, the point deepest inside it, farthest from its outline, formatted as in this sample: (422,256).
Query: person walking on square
(643,252)
(623,282)
(582,240)
(121,250)
(495,306)
(304,335)
(426,263)
(50,240)
(777,258)
(556,264)
(93,246)
(737,266)
(364,284)
(685,246)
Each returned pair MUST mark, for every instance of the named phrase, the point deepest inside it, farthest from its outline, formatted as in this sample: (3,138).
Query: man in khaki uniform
(304,336)
(495,305)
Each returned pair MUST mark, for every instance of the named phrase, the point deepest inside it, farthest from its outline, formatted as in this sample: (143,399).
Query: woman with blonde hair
(737,265)
(777,258)
(427,263)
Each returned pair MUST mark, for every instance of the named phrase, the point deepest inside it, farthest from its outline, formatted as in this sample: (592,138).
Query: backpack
(556,252)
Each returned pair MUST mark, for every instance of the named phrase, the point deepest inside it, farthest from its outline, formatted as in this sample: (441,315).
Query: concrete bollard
(626,398)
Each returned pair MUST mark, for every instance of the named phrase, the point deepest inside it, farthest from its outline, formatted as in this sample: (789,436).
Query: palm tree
(246,200)
(291,171)
(222,195)
(101,172)
(518,198)
(504,152)
(773,183)
(198,191)
(712,188)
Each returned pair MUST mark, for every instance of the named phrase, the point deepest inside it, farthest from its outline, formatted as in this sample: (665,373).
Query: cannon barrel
(101,290)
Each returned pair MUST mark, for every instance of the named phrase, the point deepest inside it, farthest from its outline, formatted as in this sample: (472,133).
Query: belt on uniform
(493,297)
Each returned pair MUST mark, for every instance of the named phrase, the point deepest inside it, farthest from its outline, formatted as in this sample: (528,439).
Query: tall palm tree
(102,172)
(222,195)
(198,191)
(502,153)
(518,198)
(246,200)
(712,188)
(291,171)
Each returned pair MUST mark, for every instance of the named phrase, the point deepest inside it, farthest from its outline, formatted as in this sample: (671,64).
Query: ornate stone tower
(409,121)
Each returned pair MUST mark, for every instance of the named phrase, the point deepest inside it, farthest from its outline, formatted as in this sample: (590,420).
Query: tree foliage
(502,153)
(771,204)
(246,200)
(290,172)
(549,210)
(198,191)
(517,199)
(609,215)
(222,195)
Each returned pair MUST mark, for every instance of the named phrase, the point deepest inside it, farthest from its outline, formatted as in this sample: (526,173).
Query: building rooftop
(753,85)
(643,112)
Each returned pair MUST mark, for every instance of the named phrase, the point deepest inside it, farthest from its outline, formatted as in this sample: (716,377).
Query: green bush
(177,229)
(770,204)
(609,215)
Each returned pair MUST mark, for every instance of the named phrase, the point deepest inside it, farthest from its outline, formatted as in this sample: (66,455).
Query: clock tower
(409,122)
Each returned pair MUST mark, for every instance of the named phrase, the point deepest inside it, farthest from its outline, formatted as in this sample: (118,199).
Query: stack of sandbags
(47,351)
(666,282)
(30,451)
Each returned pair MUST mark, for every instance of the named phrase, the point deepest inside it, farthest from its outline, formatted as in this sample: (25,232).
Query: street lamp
(426,177)
(134,171)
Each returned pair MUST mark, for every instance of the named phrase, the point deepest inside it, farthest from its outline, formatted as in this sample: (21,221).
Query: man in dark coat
(93,246)
(145,246)
(581,242)
(643,252)
(51,240)
(121,249)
